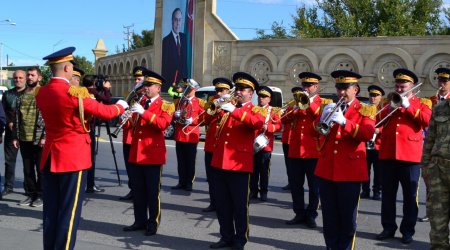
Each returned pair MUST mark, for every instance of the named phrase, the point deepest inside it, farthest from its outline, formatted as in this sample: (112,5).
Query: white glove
(338,117)
(188,121)
(177,114)
(126,115)
(228,107)
(405,102)
(326,110)
(137,108)
(224,97)
(122,103)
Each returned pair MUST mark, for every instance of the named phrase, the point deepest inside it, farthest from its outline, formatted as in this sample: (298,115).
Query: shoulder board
(326,101)
(426,102)
(80,92)
(368,110)
(168,107)
(201,102)
(36,90)
(260,110)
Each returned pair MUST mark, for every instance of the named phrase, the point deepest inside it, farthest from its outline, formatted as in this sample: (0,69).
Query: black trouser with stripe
(31,157)
(261,172)
(299,168)
(186,153)
(340,200)
(372,161)
(63,197)
(208,159)
(146,181)
(232,195)
(407,174)
(126,155)
(287,160)
(91,171)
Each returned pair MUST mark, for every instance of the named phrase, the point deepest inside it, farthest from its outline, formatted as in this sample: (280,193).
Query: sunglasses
(219,89)
(374,95)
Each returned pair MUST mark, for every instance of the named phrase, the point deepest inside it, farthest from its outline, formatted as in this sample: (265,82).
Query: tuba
(184,107)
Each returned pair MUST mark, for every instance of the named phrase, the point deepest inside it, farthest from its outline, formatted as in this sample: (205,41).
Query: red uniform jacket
(67,143)
(234,145)
(211,123)
(273,125)
(305,138)
(127,129)
(343,157)
(288,123)
(148,145)
(402,136)
(194,136)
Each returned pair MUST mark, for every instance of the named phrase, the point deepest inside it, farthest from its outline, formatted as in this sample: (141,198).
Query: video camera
(99,80)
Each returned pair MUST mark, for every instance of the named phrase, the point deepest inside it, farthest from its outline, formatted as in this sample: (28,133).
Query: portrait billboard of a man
(177,34)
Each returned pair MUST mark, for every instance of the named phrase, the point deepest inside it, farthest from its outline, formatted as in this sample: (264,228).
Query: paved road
(183,225)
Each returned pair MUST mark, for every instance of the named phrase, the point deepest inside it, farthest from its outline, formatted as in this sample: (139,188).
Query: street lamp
(4,22)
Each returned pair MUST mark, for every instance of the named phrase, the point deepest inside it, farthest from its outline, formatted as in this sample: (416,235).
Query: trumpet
(325,125)
(301,100)
(395,100)
(135,96)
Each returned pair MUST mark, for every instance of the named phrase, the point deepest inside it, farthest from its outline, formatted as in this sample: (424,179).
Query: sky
(43,27)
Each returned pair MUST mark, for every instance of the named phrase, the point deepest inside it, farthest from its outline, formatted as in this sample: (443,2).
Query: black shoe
(406,239)
(95,189)
(178,186)
(376,196)
(210,208)
(311,222)
(149,231)
(263,197)
(220,244)
(26,202)
(127,197)
(385,235)
(188,188)
(297,220)
(6,191)
(237,247)
(134,227)
(365,195)
(253,195)
(424,219)
(37,202)
(287,187)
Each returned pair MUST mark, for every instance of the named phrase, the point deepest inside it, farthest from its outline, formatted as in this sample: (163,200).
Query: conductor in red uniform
(400,155)
(148,154)
(67,152)
(232,164)
(342,165)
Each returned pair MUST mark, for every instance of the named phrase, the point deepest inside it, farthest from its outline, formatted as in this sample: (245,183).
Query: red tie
(178,45)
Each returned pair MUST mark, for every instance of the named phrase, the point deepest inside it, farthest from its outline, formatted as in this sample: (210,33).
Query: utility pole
(4,22)
(129,35)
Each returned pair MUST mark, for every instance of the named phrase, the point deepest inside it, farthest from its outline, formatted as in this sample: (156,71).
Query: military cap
(296,89)
(78,72)
(405,75)
(309,78)
(443,73)
(345,78)
(151,78)
(139,71)
(222,83)
(60,56)
(374,89)
(245,80)
(265,91)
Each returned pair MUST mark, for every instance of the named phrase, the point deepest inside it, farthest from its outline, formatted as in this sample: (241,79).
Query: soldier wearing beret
(231,168)
(400,155)
(342,165)
(66,153)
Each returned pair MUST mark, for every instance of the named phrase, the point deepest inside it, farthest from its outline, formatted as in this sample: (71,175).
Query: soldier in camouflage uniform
(436,173)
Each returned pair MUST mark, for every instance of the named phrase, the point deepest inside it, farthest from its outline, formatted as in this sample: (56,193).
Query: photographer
(100,88)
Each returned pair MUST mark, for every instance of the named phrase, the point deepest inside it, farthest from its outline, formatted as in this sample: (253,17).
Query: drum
(261,141)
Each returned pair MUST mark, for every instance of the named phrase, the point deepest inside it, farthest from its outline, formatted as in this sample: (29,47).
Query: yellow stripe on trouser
(248,215)
(354,235)
(417,192)
(159,199)
(74,209)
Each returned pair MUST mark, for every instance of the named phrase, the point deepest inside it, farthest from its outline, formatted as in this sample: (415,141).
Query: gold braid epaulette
(81,92)
(168,107)
(260,110)
(427,102)
(368,110)
(325,102)
(277,111)
(202,103)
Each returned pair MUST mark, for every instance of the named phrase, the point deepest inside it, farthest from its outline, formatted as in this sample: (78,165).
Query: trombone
(301,100)
(396,100)
(325,125)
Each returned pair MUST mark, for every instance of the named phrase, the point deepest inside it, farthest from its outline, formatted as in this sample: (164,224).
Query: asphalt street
(183,224)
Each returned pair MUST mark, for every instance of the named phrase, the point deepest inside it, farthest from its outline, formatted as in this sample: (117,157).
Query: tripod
(113,151)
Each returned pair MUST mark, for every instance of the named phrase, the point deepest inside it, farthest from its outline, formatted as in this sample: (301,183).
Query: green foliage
(85,65)
(46,74)
(145,39)
(278,32)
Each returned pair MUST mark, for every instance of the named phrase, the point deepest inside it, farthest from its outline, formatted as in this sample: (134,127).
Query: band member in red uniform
(443,93)
(231,164)
(148,154)
(261,159)
(304,152)
(222,87)
(400,155)
(373,147)
(187,135)
(67,151)
(138,73)
(342,165)
(288,122)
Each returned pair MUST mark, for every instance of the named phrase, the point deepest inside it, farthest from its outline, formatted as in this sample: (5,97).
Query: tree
(146,39)
(278,32)
(85,65)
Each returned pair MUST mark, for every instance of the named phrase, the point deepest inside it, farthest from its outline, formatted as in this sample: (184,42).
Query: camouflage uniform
(436,173)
